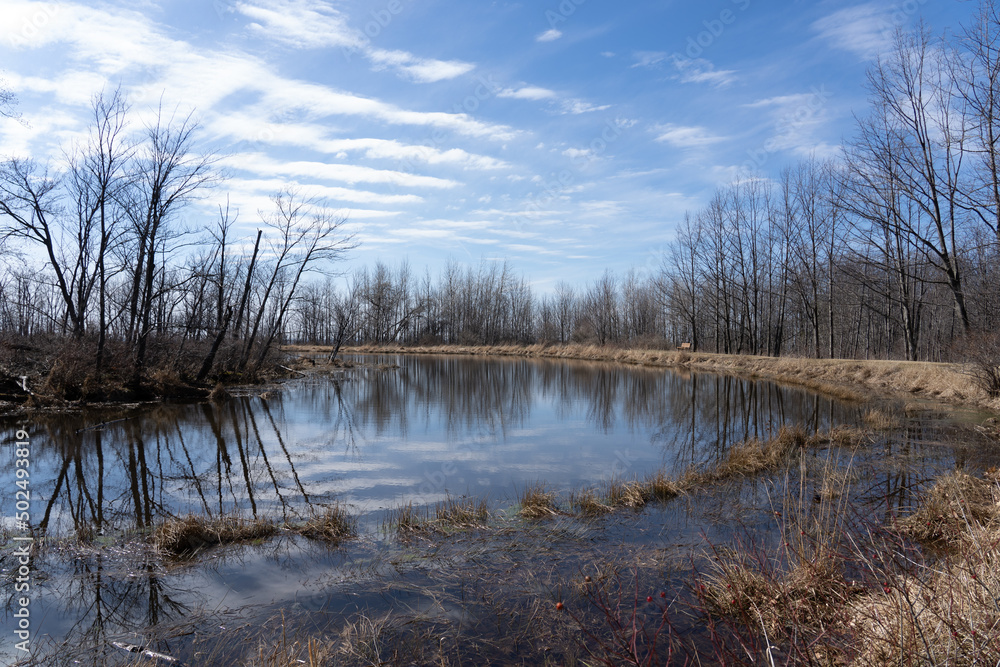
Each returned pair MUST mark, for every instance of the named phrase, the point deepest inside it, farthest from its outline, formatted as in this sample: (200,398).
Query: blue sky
(567,137)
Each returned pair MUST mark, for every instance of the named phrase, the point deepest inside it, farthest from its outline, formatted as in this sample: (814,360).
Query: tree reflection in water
(369,435)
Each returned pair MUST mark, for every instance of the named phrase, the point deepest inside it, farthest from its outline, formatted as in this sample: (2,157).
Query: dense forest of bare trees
(889,250)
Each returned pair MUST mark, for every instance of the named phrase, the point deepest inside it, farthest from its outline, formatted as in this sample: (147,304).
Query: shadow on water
(377,437)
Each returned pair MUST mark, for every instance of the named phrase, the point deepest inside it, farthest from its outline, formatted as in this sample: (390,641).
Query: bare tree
(29,202)
(976,71)
(565,309)
(916,132)
(170,173)
(308,237)
(98,177)
(8,100)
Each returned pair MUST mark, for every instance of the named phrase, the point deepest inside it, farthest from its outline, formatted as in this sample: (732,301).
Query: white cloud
(549,36)
(305,24)
(246,187)
(700,70)
(691,70)
(346,173)
(579,106)
(567,106)
(863,29)
(799,120)
(300,24)
(779,101)
(576,152)
(421,70)
(527,93)
(686,136)
(649,58)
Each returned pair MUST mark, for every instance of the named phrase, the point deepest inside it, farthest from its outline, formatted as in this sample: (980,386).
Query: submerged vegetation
(189,535)
(332,525)
(833,583)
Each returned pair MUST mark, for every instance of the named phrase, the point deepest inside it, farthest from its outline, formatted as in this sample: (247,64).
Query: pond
(387,431)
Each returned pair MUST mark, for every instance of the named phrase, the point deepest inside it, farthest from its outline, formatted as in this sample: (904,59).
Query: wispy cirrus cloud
(864,30)
(562,105)
(549,36)
(260,163)
(420,70)
(528,93)
(306,24)
(689,70)
(701,70)
(254,128)
(681,136)
(300,24)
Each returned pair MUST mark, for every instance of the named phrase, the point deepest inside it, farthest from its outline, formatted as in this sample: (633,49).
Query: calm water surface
(393,430)
(377,437)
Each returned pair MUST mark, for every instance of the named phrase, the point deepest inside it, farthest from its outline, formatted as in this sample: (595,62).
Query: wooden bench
(684,346)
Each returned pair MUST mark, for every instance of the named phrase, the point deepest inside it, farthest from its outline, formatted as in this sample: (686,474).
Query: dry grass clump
(807,599)
(957,504)
(753,456)
(589,504)
(634,494)
(313,652)
(626,494)
(536,502)
(333,525)
(880,420)
(191,534)
(462,512)
(406,519)
(844,436)
(941,614)
(934,607)
(660,487)
(366,641)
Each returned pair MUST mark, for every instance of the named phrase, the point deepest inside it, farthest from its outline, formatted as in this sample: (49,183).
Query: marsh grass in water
(825,582)
(406,519)
(188,535)
(537,502)
(332,525)
(847,591)
(588,503)
(880,420)
(459,513)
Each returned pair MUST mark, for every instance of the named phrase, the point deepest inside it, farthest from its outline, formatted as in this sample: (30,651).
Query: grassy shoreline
(848,379)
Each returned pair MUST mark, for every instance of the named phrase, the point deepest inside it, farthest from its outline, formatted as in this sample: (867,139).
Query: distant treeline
(889,250)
